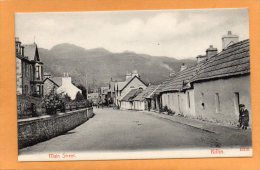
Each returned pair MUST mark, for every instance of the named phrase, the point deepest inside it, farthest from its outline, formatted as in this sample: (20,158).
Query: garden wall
(33,131)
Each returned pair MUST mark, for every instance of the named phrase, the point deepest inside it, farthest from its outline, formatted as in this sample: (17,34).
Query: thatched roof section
(141,96)
(234,60)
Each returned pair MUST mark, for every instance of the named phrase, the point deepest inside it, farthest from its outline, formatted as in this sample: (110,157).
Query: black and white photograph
(141,84)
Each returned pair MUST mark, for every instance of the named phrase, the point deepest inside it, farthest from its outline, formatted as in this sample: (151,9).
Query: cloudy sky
(172,33)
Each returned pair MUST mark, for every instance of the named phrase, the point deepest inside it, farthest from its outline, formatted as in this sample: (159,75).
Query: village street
(128,130)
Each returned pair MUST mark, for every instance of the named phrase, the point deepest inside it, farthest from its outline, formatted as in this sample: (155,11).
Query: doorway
(236,103)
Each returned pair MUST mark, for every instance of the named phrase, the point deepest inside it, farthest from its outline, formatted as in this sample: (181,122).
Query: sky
(174,33)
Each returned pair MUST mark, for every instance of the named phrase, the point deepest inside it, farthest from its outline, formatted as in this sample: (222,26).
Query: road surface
(126,130)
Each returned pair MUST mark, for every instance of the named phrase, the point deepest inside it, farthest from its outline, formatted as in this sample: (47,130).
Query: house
(94,97)
(68,88)
(142,100)
(127,101)
(132,81)
(104,94)
(111,94)
(29,70)
(177,94)
(50,83)
(156,95)
(223,82)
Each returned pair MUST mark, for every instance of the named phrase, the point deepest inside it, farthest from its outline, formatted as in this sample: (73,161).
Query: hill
(100,64)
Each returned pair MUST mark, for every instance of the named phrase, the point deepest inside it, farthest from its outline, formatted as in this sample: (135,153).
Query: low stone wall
(37,130)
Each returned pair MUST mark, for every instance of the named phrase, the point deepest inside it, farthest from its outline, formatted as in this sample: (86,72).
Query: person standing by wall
(243,117)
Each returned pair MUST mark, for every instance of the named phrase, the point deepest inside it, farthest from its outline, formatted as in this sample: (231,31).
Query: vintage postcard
(133,84)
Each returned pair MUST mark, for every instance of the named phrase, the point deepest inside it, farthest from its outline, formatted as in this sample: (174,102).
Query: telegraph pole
(86,81)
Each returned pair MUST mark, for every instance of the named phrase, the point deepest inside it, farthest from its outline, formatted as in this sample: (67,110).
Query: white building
(68,88)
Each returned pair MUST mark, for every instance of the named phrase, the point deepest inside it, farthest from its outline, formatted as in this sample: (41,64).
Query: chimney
(135,73)
(229,39)
(66,80)
(183,67)
(128,75)
(211,51)
(17,45)
(201,58)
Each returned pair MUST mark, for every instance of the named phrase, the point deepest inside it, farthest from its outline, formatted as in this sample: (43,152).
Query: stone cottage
(223,82)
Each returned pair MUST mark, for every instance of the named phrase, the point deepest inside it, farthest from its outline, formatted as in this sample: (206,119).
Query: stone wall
(33,131)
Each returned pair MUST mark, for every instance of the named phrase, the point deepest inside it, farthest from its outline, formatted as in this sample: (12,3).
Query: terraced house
(29,70)
(214,88)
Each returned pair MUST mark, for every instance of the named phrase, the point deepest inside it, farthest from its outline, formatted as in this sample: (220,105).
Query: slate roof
(232,61)
(141,96)
(57,80)
(51,81)
(121,85)
(153,92)
(181,80)
(131,94)
(29,51)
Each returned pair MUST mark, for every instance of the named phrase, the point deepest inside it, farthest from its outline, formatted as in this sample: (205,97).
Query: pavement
(230,133)
(121,130)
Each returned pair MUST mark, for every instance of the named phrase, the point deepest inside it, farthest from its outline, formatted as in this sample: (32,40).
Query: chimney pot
(211,51)
(229,39)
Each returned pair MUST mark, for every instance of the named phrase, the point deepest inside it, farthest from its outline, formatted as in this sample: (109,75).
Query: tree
(82,88)
(53,101)
(79,97)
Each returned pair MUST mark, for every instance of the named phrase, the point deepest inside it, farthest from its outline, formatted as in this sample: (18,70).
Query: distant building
(94,97)
(68,88)
(131,82)
(29,70)
(143,100)
(127,102)
(104,94)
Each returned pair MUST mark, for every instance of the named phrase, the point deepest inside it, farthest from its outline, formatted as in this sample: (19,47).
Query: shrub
(165,109)
(79,97)
(54,101)
(170,112)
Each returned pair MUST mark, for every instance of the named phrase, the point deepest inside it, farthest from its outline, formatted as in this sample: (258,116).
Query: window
(202,101)
(37,72)
(38,89)
(217,102)
(188,99)
(236,102)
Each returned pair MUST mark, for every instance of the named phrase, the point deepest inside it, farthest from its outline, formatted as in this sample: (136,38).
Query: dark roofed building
(180,81)
(29,70)
(233,61)
(214,88)
(142,100)
(222,83)
(127,100)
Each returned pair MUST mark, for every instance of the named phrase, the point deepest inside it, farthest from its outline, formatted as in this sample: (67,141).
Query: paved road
(123,130)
